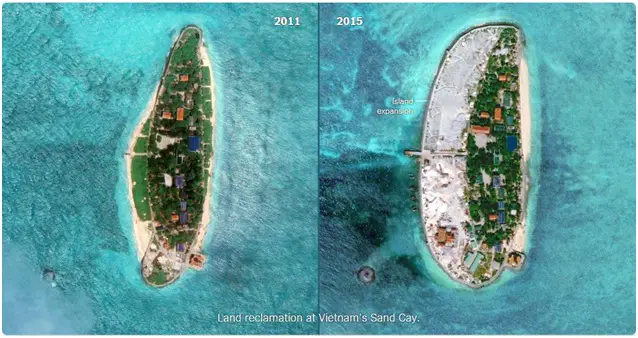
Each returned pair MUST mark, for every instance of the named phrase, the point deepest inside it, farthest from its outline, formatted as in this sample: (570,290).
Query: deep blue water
(76,79)
(580,273)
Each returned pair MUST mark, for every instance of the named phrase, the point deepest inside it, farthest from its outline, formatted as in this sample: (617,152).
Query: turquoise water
(582,63)
(76,79)
(73,92)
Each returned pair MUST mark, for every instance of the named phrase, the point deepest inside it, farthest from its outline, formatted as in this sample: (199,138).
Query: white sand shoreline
(519,238)
(206,214)
(140,228)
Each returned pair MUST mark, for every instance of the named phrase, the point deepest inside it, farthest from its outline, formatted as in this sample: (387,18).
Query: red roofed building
(492,217)
(484,115)
(196,261)
(167,115)
(498,114)
(502,77)
(183,78)
(441,237)
(480,130)
(180,114)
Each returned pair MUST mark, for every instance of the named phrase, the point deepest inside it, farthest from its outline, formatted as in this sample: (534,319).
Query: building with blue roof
(512,142)
(501,205)
(507,99)
(179,181)
(501,217)
(193,143)
(496,181)
(183,217)
(183,205)
(180,247)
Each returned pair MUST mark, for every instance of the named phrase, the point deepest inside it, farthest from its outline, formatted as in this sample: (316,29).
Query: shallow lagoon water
(580,273)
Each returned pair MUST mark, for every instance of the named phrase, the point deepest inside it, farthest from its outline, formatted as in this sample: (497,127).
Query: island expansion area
(473,158)
(169,164)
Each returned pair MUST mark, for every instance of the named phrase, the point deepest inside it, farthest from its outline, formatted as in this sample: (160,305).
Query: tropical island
(474,154)
(170,163)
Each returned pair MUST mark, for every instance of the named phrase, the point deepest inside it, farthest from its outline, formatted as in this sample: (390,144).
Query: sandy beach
(201,232)
(518,241)
(140,228)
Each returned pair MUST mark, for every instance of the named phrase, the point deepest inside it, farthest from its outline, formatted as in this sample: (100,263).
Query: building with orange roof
(440,235)
(196,261)
(498,111)
(183,78)
(167,115)
(502,77)
(514,259)
(180,114)
(484,115)
(174,217)
(480,130)
(492,217)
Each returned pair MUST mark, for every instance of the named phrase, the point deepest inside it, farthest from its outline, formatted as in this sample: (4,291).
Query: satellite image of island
(142,142)
(318,168)
(473,194)
(477,168)
(169,164)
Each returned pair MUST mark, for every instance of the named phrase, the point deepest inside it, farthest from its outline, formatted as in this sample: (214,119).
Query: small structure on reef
(49,276)
(366,274)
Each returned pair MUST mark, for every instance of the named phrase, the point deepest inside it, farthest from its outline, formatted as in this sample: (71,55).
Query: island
(475,149)
(169,164)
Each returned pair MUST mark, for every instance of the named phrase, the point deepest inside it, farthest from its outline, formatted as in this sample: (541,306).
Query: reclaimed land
(473,158)
(170,164)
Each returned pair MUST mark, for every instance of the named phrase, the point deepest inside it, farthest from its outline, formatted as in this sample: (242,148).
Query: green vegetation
(140,187)
(206,92)
(147,127)
(208,132)
(495,159)
(483,268)
(183,103)
(208,109)
(205,76)
(182,237)
(141,146)
(158,277)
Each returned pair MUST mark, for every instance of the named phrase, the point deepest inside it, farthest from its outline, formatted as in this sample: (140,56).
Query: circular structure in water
(48,275)
(366,274)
